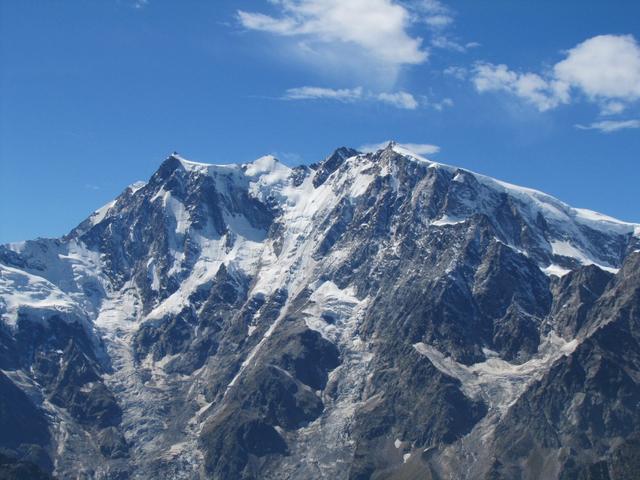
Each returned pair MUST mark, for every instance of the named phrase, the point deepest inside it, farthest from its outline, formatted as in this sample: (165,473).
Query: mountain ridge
(372,315)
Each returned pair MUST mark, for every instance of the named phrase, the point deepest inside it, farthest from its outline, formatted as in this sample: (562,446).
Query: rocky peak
(331,164)
(381,314)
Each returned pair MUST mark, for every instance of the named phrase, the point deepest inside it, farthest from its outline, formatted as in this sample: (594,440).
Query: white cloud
(610,126)
(399,99)
(377,29)
(544,94)
(605,69)
(402,100)
(369,39)
(318,93)
(419,148)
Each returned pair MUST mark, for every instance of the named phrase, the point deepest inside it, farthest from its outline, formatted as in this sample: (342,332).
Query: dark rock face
(371,316)
(24,433)
(13,469)
(414,402)
(575,295)
(588,402)
(65,371)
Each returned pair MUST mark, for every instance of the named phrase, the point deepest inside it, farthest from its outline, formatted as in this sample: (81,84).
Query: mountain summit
(373,315)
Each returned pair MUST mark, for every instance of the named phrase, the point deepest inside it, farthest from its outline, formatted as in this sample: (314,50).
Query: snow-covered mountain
(370,316)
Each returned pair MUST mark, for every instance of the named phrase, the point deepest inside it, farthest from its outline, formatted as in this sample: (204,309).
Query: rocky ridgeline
(370,316)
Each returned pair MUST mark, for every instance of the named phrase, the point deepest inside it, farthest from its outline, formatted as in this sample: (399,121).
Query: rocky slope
(370,316)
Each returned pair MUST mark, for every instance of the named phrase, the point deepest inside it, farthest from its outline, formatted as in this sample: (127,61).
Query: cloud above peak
(319,93)
(604,69)
(377,29)
(545,94)
(399,99)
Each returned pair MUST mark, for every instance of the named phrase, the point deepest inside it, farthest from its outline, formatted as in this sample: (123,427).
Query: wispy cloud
(439,21)
(419,148)
(610,126)
(542,93)
(439,18)
(441,104)
(400,99)
(319,93)
(434,13)
(612,108)
(604,69)
(457,71)
(290,158)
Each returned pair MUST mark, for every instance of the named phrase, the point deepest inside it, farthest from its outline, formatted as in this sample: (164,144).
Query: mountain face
(370,316)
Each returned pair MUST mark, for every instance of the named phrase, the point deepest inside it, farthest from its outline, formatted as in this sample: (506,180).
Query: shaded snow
(329,309)
(496,381)
(558,211)
(591,217)
(567,249)
(120,311)
(326,443)
(26,293)
(62,277)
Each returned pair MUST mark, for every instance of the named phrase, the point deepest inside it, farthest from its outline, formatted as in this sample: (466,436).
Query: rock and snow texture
(498,382)
(372,315)
(24,293)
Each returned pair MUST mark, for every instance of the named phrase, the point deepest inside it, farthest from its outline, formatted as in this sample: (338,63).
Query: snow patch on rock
(496,381)
(21,292)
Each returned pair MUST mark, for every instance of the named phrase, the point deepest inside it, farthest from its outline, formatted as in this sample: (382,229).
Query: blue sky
(95,93)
